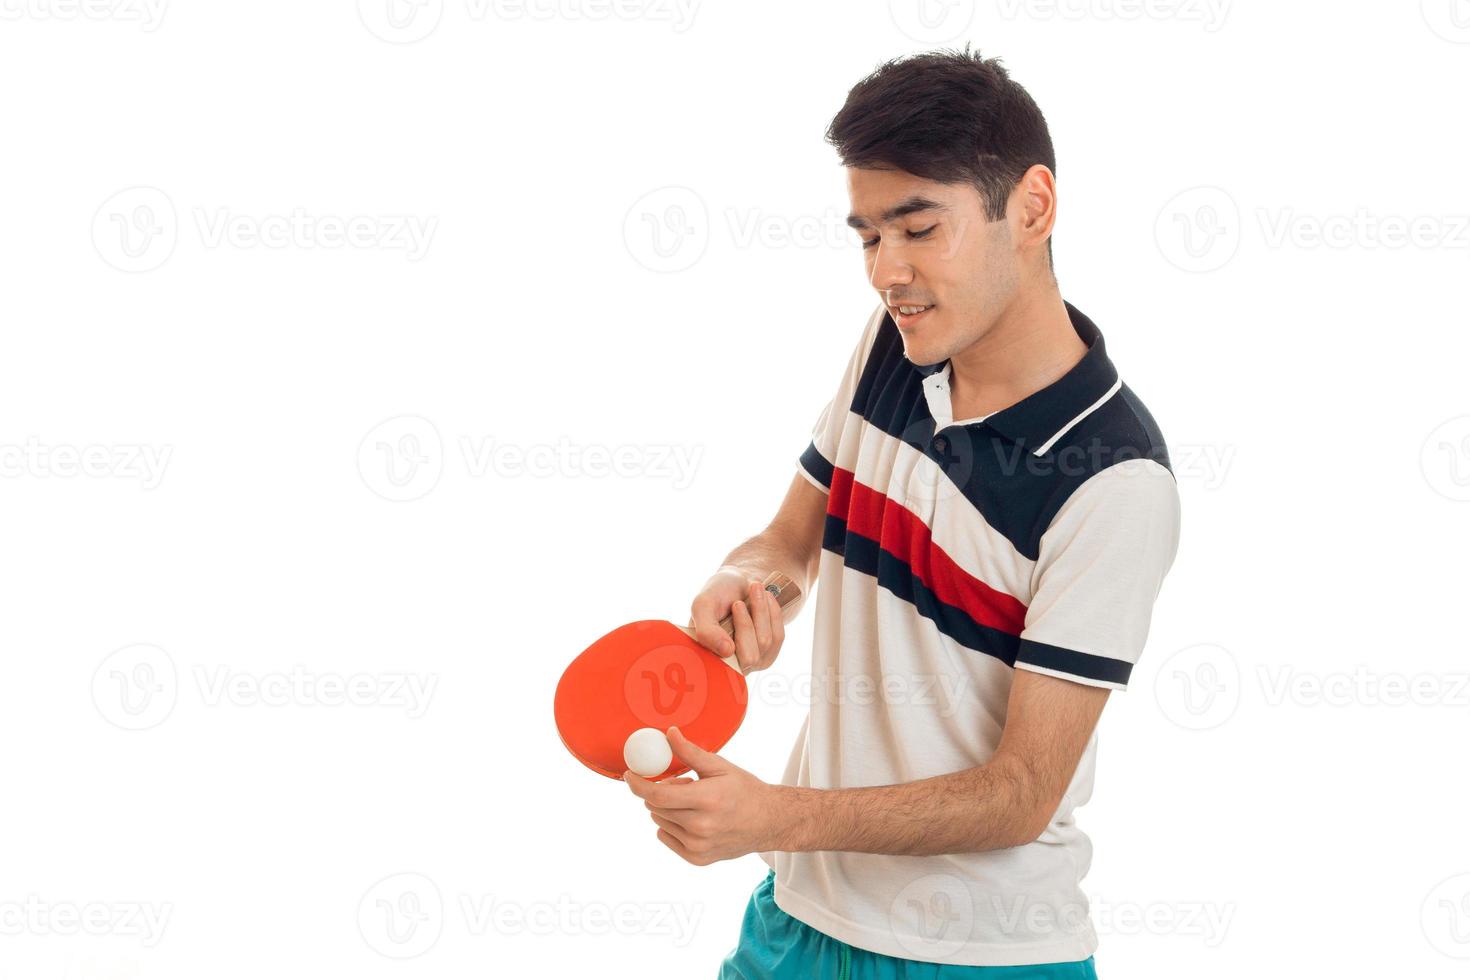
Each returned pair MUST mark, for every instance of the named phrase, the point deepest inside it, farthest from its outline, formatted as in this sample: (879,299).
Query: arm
(1006,802)
(1099,570)
(791,544)
(1100,566)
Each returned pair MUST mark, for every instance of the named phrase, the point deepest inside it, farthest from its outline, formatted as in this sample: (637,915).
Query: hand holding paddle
(752,629)
(653,674)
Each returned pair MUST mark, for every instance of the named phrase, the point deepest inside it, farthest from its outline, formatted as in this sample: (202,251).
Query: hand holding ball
(647,752)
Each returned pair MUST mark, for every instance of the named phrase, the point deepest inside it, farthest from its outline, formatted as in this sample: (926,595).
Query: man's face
(930,244)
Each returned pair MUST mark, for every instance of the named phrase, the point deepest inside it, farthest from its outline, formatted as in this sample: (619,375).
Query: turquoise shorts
(774,946)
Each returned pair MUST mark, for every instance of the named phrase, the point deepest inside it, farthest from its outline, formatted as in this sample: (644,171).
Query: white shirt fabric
(954,553)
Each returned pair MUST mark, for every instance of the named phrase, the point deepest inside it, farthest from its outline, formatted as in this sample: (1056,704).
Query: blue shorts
(774,946)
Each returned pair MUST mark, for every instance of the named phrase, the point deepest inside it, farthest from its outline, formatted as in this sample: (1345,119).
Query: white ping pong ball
(647,752)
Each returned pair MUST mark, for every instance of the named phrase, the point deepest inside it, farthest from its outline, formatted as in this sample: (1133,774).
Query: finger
(747,651)
(666,794)
(676,814)
(681,817)
(778,624)
(678,834)
(760,615)
(704,616)
(674,844)
(675,829)
(696,758)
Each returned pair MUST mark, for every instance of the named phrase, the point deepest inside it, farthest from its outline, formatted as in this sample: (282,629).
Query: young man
(987,513)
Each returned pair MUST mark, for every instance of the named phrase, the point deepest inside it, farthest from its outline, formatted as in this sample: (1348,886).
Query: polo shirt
(955,553)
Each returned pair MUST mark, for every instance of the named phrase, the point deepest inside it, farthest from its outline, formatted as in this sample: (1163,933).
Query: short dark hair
(948,116)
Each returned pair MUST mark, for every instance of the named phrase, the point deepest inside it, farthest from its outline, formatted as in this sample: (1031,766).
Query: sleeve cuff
(1072,665)
(814,467)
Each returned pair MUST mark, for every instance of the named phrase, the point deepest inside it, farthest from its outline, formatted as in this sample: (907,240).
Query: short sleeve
(819,459)
(1100,566)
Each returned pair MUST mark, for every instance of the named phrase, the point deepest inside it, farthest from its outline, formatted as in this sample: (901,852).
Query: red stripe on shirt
(904,535)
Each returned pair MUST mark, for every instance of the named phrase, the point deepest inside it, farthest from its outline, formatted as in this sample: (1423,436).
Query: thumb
(696,758)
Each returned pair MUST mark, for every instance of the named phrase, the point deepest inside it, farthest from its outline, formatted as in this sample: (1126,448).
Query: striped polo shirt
(954,553)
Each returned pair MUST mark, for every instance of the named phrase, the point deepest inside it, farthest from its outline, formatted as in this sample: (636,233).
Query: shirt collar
(1037,421)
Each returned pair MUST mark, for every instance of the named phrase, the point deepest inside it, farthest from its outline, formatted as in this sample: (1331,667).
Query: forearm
(980,809)
(771,551)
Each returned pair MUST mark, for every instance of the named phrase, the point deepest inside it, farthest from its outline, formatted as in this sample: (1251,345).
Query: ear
(1034,210)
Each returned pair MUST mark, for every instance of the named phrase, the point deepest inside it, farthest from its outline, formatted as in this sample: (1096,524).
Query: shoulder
(1112,467)
(1115,468)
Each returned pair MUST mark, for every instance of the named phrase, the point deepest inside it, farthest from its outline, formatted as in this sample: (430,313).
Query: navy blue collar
(1036,420)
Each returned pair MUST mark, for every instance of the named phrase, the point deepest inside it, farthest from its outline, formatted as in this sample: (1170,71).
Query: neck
(1030,346)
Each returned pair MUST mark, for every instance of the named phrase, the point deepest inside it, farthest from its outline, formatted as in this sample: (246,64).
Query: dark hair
(948,116)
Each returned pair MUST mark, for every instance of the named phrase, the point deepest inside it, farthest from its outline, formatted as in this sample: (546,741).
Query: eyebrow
(910,205)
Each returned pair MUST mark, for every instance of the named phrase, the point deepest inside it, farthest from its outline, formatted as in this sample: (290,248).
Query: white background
(1236,180)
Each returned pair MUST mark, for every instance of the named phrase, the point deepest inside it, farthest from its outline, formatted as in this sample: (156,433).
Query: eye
(921,233)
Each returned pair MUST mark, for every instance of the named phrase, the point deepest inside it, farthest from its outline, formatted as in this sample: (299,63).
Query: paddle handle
(776,584)
(779,585)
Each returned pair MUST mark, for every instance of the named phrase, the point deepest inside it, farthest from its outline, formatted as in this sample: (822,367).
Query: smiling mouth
(907,315)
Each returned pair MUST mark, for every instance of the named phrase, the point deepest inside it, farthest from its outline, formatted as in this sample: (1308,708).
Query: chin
(921,355)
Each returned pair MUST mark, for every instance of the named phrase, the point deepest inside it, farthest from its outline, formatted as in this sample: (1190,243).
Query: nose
(888,269)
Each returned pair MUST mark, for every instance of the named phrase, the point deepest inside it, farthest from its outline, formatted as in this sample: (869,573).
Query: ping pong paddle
(653,674)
